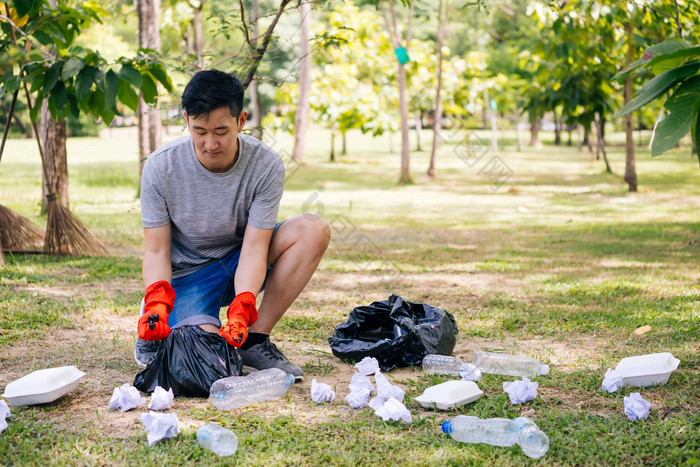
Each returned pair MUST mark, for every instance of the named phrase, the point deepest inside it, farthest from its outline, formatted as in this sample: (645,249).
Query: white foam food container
(43,386)
(647,370)
(450,394)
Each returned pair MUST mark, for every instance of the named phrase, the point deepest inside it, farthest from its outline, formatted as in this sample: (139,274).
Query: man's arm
(156,256)
(252,265)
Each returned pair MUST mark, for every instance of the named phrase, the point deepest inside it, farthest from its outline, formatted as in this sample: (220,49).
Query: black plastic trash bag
(189,362)
(395,332)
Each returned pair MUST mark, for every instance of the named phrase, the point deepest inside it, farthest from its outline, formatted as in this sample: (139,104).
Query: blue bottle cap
(446,427)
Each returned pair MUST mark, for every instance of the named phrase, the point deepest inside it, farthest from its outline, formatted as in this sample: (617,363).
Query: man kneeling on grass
(209,206)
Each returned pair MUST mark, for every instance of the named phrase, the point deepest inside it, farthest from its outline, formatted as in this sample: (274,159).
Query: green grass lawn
(543,254)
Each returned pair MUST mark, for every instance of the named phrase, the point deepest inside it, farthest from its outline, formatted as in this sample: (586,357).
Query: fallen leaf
(642,330)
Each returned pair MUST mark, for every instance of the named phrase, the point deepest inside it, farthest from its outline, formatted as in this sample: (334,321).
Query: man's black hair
(210,90)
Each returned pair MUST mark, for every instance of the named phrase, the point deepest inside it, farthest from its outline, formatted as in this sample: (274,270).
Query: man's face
(215,137)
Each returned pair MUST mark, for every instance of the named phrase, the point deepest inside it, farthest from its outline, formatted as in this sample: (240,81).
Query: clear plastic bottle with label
(237,391)
(449,365)
(499,432)
(509,365)
(219,440)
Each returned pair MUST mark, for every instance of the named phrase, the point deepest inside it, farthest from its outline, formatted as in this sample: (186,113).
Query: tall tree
(630,170)
(149,123)
(53,136)
(197,6)
(255,104)
(437,115)
(400,43)
(301,117)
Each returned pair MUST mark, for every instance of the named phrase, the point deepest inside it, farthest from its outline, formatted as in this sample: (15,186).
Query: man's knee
(314,231)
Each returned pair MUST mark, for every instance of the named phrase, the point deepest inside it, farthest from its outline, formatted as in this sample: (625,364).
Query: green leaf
(51,78)
(98,104)
(22,6)
(43,38)
(664,62)
(675,126)
(127,95)
(84,104)
(695,130)
(71,68)
(37,83)
(159,73)
(131,75)
(666,47)
(107,116)
(83,83)
(657,86)
(34,113)
(100,81)
(73,105)
(111,89)
(60,95)
(149,88)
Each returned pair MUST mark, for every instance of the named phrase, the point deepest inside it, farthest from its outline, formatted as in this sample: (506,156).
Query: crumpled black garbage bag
(189,362)
(395,332)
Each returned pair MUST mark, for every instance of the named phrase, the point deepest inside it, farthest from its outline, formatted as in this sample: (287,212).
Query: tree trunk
(639,128)
(437,114)
(197,27)
(557,130)
(301,118)
(187,37)
(630,169)
(587,140)
(255,118)
(397,41)
(568,130)
(148,119)
(600,147)
(419,130)
(534,133)
(403,105)
(53,137)
(332,159)
(579,137)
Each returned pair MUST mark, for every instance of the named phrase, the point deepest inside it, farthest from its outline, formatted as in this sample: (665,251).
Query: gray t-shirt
(209,211)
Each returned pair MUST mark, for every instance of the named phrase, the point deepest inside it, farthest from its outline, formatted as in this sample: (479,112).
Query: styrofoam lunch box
(43,386)
(450,394)
(647,370)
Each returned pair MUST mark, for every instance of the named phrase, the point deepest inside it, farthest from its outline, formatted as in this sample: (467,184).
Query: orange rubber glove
(241,314)
(153,324)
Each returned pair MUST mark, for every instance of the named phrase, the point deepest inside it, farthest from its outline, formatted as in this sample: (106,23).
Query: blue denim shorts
(200,296)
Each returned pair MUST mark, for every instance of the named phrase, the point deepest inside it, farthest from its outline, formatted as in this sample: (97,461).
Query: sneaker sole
(249,369)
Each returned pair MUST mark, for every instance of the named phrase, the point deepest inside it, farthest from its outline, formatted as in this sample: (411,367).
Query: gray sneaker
(266,355)
(144,351)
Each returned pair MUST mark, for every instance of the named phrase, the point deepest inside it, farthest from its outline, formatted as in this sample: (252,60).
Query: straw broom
(17,233)
(65,233)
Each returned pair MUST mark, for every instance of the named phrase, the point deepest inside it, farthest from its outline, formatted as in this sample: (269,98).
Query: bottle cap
(447,427)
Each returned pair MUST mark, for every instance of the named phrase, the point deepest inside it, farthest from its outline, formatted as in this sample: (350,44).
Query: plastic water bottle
(509,365)
(217,439)
(236,391)
(448,365)
(499,432)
